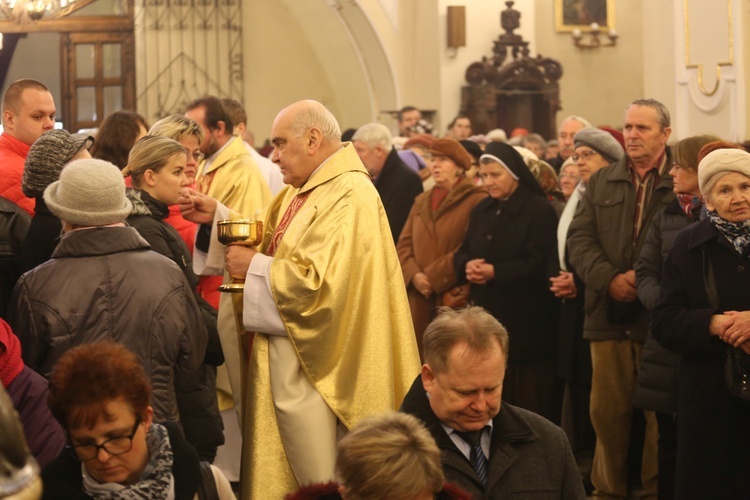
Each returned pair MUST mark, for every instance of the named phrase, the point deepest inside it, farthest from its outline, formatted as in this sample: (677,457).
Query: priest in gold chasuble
(325,293)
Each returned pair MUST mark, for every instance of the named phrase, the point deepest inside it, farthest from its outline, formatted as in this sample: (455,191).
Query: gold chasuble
(338,287)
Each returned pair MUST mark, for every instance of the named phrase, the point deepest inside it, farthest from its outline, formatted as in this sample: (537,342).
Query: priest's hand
(238,259)
(197,207)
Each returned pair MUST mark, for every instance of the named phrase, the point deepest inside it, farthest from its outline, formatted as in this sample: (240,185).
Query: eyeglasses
(197,156)
(584,154)
(114,446)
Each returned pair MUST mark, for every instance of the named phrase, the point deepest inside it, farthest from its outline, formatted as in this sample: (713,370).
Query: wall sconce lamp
(594,42)
(456,26)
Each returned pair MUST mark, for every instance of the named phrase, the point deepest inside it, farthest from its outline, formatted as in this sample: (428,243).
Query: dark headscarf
(512,159)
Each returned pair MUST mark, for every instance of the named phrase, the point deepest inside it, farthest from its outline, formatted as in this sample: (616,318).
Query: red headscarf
(10,354)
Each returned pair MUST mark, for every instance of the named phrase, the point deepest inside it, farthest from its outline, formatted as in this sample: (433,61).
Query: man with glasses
(604,242)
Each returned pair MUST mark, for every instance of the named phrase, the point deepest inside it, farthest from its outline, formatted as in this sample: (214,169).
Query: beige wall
(300,50)
(482,29)
(598,84)
(714,35)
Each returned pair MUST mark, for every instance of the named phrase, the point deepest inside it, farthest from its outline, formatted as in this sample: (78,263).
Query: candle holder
(594,42)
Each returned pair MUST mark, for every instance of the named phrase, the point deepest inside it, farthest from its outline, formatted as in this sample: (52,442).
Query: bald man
(334,340)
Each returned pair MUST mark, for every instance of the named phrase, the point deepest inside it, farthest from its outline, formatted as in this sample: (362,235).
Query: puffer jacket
(105,283)
(196,398)
(600,244)
(657,377)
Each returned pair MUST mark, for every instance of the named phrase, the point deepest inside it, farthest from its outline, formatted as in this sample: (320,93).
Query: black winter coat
(713,430)
(196,396)
(105,283)
(397,186)
(42,238)
(14,223)
(530,457)
(657,377)
(518,238)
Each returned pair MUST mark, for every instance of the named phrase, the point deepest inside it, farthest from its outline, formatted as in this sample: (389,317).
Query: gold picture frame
(573,15)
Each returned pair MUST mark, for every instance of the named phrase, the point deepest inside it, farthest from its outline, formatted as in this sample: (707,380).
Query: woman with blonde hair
(156,166)
(391,455)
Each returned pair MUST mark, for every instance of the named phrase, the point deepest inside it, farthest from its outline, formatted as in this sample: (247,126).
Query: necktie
(476,457)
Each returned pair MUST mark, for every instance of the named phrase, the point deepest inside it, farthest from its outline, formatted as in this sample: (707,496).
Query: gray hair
(375,134)
(576,118)
(536,139)
(471,325)
(661,110)
(317,116)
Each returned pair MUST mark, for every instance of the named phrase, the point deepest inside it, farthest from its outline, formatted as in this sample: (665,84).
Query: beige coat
(427,244)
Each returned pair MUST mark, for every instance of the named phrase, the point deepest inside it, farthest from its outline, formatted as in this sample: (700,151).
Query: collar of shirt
(463,446)
(657,166)
(211,158)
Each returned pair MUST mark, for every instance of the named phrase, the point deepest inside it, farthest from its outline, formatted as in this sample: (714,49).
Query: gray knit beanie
(47,156)
(600,141)
(89,193)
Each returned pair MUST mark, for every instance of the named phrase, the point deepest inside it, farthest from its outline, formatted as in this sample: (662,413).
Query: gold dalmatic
(338,287)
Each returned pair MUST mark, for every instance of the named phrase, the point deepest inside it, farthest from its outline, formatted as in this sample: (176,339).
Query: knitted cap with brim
(89,193)
(47,157)
(718,163)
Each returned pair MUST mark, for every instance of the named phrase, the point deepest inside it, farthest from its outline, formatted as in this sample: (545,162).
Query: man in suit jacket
(396,183)
(458,397)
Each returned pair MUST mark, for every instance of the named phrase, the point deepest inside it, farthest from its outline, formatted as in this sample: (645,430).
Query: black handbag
(737,363)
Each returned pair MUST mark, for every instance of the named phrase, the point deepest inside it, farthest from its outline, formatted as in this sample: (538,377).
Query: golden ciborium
(247,232)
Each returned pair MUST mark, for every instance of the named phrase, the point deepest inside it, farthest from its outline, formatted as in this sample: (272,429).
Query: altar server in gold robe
(324,292)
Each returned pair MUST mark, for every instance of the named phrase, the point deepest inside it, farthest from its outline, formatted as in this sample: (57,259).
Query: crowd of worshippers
(427,315)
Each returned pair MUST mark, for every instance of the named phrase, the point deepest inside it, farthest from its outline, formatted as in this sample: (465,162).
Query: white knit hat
(89,193)
(719,162)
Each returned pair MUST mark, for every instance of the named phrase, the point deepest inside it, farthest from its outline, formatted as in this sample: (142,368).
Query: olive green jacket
(600,244)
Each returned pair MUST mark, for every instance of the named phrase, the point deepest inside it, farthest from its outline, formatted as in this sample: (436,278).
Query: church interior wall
(597,83)
(366,58)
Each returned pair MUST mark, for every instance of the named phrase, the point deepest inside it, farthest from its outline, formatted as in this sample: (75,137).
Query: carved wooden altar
(522,92)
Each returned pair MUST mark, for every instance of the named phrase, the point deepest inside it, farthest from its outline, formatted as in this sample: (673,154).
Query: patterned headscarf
(738,233)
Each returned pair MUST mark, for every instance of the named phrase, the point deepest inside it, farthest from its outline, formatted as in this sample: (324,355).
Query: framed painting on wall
(581,14)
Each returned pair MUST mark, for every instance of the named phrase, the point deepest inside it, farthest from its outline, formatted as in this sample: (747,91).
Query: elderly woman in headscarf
(46,159)
(505,256)
(434,230)
(593,149)
(703,313)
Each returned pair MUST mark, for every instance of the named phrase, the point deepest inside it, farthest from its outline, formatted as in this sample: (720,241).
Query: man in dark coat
(604,243)
(489,448)
(396,183)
